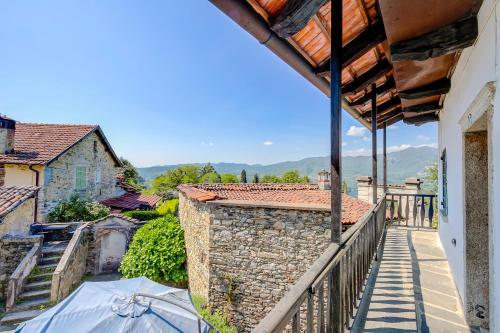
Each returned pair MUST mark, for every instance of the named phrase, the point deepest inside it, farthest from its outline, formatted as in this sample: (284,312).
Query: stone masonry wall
(195,220)
(12,251)
(19,220)
(101,175)
(254,254)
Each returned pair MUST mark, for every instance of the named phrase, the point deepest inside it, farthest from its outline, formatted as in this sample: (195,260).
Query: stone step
(49,268)
(37,285)
(14,318)
(36,304)
(40,277)
(54,247)
(50,260)
(34,294)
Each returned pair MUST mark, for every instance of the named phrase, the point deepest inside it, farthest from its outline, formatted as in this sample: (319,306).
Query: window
(444,184)
(81,178)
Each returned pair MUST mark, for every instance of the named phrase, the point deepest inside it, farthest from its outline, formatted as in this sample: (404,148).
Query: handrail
(419,208)
(288,307)
(18,277)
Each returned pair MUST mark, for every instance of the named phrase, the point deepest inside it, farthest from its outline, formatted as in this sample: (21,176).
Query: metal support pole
(334,288)
(385,157)
(374,144)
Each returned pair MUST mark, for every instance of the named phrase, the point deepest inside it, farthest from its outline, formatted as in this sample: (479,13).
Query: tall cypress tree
(255,179)
(243,176)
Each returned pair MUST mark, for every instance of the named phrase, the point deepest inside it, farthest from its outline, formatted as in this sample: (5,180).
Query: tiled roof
(38,144)
(13,196)
(309,194)
(131,201)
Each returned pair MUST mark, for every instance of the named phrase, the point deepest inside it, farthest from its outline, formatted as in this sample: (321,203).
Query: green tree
(130,173)
(255,178)
(207,168)
(210,178)
(243,176)
(293,176)
(431,177)
(270,179)
(345,189)
(77,209)
(228,178)
(187,174)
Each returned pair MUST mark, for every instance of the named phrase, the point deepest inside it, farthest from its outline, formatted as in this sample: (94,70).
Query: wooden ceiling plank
(320,21)
(381,90)
(450,38)
(366,41)
(365,79)
(438,87)
(295,16)
(383,108)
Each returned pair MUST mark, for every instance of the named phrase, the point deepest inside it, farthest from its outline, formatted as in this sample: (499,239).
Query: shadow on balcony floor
(411,289)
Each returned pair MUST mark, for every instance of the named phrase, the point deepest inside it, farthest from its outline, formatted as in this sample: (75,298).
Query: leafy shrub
(157,252)
(77,209)
(143,215)
(216,318)
(169,207)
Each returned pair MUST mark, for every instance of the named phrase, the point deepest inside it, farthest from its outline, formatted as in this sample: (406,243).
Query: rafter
(426,107)
(367,40)
(438,87)
(294,16)
(367,78)
(390,121)
(388,85)
(422,119)
(450,38)
(385,107)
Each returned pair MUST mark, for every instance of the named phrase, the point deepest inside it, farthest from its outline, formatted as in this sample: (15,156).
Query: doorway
(476,197)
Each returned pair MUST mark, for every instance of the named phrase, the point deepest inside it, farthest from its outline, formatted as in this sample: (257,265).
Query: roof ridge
(50,124)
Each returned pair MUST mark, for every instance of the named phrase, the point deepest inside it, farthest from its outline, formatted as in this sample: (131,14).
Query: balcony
(389,274)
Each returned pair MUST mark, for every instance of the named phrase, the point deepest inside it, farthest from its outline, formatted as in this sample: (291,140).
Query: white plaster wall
(476,67)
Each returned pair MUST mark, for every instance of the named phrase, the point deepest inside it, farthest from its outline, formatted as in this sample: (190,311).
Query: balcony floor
(411,288)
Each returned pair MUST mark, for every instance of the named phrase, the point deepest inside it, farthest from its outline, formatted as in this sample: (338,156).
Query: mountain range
(410,162)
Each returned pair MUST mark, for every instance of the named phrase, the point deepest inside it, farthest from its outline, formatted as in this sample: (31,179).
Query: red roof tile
(132,201)
(39,144)
(353,209)
(13,196)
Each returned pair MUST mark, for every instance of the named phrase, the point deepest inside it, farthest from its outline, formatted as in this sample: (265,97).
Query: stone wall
(254,253)
(12,251)
(60,175)
(18,221)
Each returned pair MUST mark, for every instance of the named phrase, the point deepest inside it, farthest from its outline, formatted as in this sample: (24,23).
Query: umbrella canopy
(135,305)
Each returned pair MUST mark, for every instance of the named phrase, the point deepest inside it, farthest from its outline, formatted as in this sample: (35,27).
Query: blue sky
(169,82)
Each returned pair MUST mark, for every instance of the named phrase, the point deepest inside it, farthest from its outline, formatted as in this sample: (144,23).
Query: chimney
(7,134)
(324,180)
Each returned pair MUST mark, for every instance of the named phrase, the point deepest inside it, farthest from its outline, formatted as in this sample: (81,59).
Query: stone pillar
(412,185)
(324,180)
(365,188)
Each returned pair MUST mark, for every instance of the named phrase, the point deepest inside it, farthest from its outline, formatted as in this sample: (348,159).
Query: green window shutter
(81,178)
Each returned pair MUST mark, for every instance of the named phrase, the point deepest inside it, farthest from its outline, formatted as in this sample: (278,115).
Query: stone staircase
(35,298)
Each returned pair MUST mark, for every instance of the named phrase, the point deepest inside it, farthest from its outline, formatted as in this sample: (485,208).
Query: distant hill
(410,162)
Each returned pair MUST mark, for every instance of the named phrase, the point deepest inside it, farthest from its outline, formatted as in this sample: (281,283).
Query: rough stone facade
(59,183)
(12,251)
(245,258)
(18,221)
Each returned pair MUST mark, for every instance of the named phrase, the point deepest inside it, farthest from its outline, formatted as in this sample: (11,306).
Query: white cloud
(344,144)
(210,143)
(268,143)
(356,131)
(367,139)
(393,127)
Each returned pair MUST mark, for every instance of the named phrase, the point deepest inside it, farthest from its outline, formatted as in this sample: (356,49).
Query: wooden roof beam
(367,40)
(294,16)
(390,114)
(422,119)
(438,87)
(426,107)
(390,121)
(367,78)
(381,90)
(450,38)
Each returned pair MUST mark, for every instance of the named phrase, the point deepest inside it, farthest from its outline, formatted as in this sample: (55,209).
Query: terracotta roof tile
(13,196)
(38,144)
(353,209)
(132,201)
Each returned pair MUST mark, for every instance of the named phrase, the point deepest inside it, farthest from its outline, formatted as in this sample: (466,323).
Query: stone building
(17,209)
(247,243)
(412,185)
(60,159)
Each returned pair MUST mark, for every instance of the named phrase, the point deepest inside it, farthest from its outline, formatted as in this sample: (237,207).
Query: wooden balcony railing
(415,210)
(313,304)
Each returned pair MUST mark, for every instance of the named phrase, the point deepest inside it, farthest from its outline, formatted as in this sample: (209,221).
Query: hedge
(143,215)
